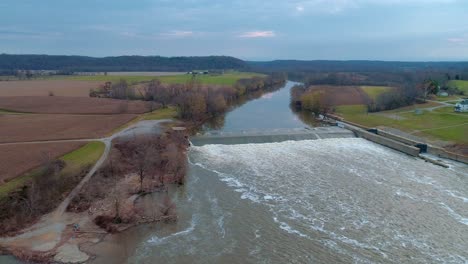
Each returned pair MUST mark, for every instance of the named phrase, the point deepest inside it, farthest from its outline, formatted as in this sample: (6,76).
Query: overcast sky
(247,29)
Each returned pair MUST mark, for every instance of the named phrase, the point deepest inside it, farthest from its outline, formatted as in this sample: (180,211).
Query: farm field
(222,79)
(18,159)
(374,91)
(460,84)
(41,127)
(163,113)
(440,124)
(144,73)
(43,87)
(72,105)
(343,95)
(84,155)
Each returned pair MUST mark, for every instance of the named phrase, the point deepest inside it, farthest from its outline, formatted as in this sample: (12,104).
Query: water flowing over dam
(338,200)
(269,188)
(271,135)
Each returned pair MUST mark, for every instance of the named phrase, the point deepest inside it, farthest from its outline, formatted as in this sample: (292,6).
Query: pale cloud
(458,40)
(338,6)
(178,34)
(258,34)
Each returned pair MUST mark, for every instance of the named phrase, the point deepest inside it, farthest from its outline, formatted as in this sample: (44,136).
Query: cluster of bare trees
(156,161)
(39,196)
(315,101)
(407,88)
(197,102)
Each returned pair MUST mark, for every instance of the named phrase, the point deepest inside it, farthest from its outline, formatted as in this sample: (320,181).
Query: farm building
(462,106)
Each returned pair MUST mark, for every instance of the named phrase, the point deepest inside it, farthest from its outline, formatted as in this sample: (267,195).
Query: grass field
(84,156)
(374,91)
(446,98)
(164,113)
(223,79)
(75,160)
(440,124)
(461,85)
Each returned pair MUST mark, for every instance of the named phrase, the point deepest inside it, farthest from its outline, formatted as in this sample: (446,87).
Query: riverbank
(59,235)
(108,199)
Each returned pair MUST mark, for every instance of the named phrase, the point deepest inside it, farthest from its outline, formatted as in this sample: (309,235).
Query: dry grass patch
(342,95)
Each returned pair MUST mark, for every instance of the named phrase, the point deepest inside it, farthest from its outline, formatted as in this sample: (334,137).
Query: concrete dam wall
(275,135)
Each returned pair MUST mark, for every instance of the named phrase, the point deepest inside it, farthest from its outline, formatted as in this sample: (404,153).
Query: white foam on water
(455,215)
(218,214)
(155,240)
(288,228)
(346,189)
(451,193)
(257,234)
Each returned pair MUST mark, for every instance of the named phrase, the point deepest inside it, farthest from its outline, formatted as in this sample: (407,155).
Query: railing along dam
(271,135)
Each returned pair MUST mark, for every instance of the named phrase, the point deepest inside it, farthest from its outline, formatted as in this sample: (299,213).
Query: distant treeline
(195,101)
(355,66)
(11,63)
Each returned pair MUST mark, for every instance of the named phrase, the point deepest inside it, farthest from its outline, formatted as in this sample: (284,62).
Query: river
(323,201)
(343,200)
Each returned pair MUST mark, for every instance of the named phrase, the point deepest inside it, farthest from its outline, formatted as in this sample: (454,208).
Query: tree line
(195,101)
(11,63)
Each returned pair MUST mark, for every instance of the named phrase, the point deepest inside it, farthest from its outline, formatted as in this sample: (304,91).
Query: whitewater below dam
(337,200)
(330,200)
(319,201)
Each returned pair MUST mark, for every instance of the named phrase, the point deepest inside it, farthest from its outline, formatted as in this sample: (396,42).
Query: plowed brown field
(43,87)
(30,127)
(18,159)
(72,105)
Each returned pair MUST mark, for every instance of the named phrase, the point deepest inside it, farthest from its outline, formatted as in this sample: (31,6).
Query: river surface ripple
(322,201)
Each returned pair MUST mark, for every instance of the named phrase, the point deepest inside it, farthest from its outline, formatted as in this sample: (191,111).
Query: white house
(462,106)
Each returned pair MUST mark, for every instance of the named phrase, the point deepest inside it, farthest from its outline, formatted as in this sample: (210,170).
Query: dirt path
(46,234)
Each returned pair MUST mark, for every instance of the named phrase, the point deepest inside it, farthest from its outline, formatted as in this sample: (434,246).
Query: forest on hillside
(10,63)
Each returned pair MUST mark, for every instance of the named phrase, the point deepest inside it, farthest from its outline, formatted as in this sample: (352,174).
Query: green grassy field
(461,85)
(222,79)
(440,124)
(84,156)
(75,160)
(446,98)
(164,113)
(374,91)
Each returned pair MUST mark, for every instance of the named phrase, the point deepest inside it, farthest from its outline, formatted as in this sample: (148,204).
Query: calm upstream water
(270,111)
(323,201)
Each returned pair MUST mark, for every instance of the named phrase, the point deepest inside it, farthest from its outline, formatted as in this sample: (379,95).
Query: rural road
(46,234)
(147,127)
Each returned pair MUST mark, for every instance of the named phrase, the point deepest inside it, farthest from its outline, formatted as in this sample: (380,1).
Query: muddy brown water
(344,200)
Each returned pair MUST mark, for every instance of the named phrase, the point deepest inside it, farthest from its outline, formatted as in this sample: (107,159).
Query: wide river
(322,201)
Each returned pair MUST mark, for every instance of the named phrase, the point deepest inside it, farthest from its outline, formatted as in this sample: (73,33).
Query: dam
(267,187)
(270,136)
